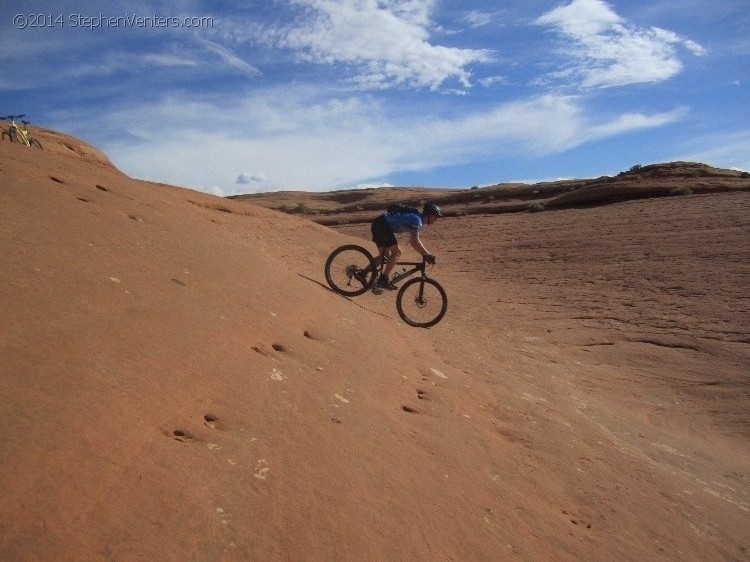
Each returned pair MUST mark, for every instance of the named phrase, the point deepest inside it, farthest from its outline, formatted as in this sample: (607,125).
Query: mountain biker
(390,223)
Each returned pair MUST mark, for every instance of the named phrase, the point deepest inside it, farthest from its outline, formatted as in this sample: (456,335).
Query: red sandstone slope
(178,384)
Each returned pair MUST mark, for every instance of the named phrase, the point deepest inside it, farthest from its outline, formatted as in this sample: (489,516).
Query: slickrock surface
(178,383)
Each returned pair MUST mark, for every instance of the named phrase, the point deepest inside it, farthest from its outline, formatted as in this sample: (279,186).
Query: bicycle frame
(417,266)
(24,132)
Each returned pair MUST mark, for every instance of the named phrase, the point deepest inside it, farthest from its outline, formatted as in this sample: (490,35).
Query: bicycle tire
(4,135)
(408,302)
(13,135)
(34,142)
(341,265)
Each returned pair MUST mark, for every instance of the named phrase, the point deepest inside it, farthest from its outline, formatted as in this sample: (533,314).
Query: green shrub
(536,207)
(684,190)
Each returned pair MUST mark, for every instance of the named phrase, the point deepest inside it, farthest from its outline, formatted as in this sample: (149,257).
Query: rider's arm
(416,243)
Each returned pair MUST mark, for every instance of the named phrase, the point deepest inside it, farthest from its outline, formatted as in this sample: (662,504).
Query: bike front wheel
(350,270)
(421,302)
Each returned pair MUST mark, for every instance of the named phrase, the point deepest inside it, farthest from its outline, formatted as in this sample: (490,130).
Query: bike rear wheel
(350,270)
(421,302)
(34,142)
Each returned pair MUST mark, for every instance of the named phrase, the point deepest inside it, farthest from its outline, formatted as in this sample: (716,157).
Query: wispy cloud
(475,18)
(724,150)
(229,57)
(607,51)
(168,60)
(123,63)
(636,121)
(279,132)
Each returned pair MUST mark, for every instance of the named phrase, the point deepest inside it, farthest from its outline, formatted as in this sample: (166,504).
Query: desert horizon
(180,383)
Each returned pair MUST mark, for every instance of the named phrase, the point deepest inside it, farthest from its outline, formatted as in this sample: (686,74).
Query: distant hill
(640,182)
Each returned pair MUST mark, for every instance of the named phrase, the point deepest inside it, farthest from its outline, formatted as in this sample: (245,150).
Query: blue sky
(235,97)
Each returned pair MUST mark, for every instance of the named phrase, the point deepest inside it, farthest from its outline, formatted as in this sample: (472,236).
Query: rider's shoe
(385,283)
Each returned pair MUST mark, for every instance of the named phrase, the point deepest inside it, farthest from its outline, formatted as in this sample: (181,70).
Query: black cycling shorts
(382,234)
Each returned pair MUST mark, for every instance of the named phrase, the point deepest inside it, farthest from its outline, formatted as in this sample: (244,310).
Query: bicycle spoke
(421,304)
(349,271)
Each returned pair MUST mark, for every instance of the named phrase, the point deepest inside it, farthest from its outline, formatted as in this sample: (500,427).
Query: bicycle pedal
(377,290)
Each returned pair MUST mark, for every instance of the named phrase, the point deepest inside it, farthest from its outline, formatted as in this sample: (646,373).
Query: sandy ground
(178,383)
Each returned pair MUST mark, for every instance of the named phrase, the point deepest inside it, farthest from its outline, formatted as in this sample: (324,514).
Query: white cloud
(214,190)
(229,57)
(372,185)
(281,132)
(476,18)
(635,121)
(493,80)
(727,150)
(173,61)
(246,178)
(121,62)
(606,51)
(386,41)
(581,18)
(168,60)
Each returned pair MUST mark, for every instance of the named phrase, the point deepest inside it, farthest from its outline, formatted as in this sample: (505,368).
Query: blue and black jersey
(384,227)
(405,222)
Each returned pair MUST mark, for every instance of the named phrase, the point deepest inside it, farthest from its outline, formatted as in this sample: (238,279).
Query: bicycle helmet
(432,209)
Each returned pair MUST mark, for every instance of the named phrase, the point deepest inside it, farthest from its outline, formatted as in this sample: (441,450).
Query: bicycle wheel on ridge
(35,142)
(350,270)
(421,303)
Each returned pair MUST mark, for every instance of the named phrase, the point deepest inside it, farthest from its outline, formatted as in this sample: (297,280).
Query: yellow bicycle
(18,134)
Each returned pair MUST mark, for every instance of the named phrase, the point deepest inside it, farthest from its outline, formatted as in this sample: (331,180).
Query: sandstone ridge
(640,182)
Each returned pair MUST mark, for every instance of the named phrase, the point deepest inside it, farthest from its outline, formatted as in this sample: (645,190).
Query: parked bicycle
(18,134)
(421,302)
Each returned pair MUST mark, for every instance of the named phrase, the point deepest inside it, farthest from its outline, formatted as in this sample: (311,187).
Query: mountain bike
(17,134)
(421,302)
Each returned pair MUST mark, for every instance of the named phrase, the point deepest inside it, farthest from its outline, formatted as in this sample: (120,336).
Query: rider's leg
(392,254)
(377,261)
(384,239)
